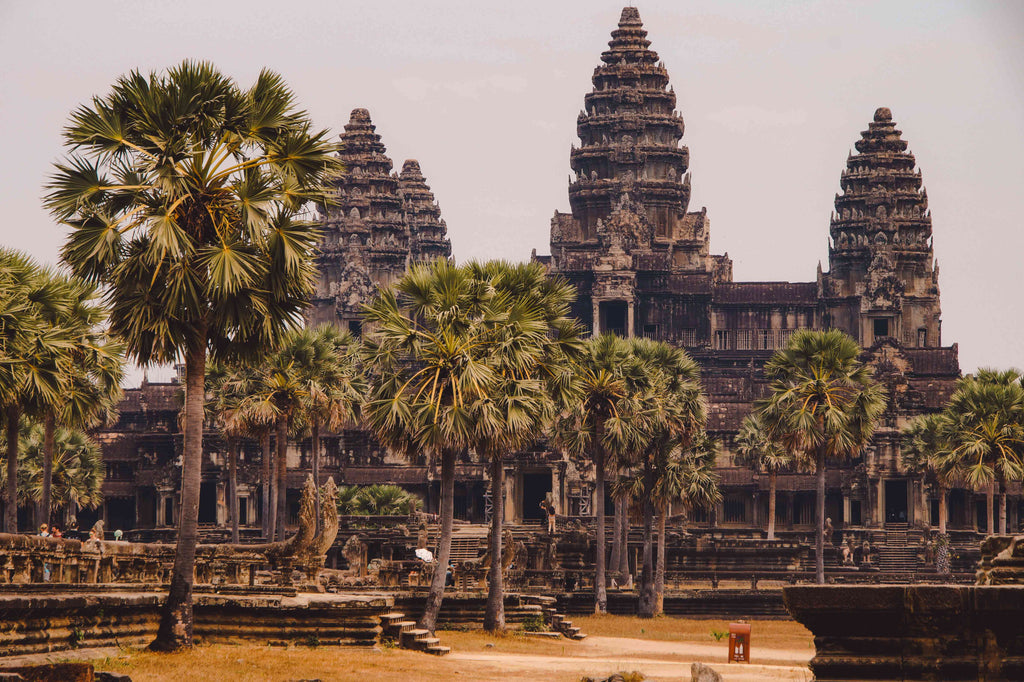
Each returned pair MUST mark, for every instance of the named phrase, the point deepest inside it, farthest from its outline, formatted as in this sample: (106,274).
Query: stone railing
(34,559)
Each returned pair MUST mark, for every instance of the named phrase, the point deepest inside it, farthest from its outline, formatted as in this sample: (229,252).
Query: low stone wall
(466,609)
(39,623)
(766,604)
(913,632)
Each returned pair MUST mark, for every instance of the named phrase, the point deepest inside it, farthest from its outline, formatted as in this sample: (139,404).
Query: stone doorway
(536,486)
(614,315)
(896,502)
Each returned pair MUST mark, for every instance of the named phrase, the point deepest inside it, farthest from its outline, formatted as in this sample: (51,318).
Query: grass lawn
(772,634)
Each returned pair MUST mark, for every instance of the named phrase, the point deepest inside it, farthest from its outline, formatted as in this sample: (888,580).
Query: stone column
(880,511)
(597,317)
(630,319)
(510,508)
(846,509)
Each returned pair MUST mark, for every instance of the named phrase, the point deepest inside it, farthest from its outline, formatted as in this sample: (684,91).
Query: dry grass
(771,634)
(255,663)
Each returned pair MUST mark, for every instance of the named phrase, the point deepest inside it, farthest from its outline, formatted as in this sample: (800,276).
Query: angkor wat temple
(641,261)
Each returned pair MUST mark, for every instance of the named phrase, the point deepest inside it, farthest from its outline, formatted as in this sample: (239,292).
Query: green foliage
(376,500)
(534,623)
(719,635)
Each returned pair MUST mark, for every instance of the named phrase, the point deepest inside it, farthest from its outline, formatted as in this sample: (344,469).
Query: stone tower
(427,230)
(882,281)
(381,223)
(629,231)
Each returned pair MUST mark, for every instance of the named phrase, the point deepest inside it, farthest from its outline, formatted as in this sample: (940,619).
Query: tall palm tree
(672,412)
(34,354)
(75,464)
(189,199)
(598,426)
(429,364)
(277,398)
(755,447)
(688,477)
(824,404)
(532,351)
(329,366)
(94,368)
(985,418)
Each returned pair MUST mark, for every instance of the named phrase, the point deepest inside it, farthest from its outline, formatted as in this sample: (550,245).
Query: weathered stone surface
(56,672)
(913,632)
(700,672)
(103,676)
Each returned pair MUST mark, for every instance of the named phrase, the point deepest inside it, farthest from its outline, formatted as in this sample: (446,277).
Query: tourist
(117,535)
(549,509)
(44,532)
(55,532)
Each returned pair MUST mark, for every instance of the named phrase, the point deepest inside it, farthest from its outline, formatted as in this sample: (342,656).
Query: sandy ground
(598,656)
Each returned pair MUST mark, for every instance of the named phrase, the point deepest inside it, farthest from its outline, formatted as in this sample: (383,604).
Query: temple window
(880,327)
(922,337)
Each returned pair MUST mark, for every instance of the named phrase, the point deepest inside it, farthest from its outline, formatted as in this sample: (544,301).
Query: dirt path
(601,656)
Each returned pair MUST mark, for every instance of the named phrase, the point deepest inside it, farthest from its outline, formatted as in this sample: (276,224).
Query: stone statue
(354,552)
(827,532)
(328,517)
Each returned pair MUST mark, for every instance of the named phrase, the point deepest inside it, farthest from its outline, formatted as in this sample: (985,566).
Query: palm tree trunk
(943,501)
(623,567)
(281,515)
(266,474)
(233,486)
(11,506)
(659,571)
(990,521)
(494,615)
(444,545)
(646,606)
(49,431)
(175,630)
(1002,504)
(772,479)
(617,540)
(314,447)
(819,541)
(600,592)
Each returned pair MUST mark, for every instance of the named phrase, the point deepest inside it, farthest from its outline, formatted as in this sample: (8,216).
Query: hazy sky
(485,95)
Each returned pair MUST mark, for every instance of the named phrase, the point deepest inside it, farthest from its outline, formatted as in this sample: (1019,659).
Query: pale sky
(485,95)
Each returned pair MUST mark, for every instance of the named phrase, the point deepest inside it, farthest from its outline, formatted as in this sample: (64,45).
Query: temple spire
(427,230)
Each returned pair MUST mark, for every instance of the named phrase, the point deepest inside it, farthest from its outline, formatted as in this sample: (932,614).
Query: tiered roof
(883,201)
(629,134)
(427,230)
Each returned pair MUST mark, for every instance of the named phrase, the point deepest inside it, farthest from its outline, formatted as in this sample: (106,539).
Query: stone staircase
(557,621)
(896,555)
(404,632)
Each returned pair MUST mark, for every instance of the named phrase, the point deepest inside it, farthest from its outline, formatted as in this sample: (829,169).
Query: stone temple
(641,261)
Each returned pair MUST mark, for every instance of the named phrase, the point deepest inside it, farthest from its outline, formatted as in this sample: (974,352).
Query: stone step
(396,629)
(425,642)
(578,636)
(438,650)
(544,635)
(388,617)
(408,637)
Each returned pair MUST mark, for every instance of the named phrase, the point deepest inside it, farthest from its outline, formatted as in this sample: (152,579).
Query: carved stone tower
(427,231)
(882,281)
(379,225)
(629,232)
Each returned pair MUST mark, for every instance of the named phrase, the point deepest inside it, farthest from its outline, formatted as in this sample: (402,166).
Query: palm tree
(94,367)
(330,368)
(823,404)
(985,418)
(185,195)
(386,500)
(755,447)
(75,464)
(687,476)
(429,363)
(34,355)
(349,499)
(531,351)
(277,398)
(672,412)
(598,426)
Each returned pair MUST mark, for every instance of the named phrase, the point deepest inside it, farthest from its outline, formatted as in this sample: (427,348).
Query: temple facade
(641,262)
